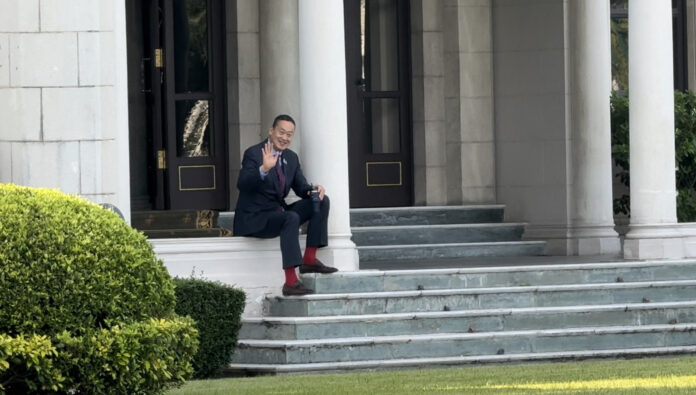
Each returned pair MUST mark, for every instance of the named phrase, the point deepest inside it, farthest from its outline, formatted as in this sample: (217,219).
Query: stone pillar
(652,232)
(279,62)
(324,119)
(591,220)
(428,85)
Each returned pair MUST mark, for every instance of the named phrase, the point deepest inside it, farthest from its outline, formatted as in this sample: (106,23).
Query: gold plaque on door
(197,178)
(383,174)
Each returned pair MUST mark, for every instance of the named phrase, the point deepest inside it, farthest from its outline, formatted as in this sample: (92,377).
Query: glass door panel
(191,46)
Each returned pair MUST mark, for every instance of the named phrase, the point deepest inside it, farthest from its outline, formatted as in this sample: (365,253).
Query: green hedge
(685,152)
(217,310)
(85,305)
(144,357)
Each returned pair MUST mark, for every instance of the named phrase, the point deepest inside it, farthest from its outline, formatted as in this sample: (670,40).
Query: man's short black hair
(283,117)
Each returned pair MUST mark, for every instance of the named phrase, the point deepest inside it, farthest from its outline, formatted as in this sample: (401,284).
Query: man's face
(281,135)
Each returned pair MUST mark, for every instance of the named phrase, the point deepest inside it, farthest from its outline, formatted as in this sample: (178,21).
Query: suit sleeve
(300,185)
(249,176)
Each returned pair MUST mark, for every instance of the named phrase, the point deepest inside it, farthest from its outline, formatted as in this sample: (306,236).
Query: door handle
(361,83)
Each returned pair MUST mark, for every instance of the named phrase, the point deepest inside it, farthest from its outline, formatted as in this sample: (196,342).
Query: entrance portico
(502,110)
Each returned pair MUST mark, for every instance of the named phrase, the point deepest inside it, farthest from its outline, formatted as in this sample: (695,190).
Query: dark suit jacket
(258,197)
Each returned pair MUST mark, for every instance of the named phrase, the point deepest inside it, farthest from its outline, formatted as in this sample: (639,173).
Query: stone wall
(63,97)
(530,111)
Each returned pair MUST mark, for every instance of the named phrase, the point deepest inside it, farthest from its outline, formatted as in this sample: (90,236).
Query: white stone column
(279,62)
(652,232)
(591,219)
(324,119)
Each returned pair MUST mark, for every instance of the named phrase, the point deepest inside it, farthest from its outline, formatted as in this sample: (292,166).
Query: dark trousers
(286,224)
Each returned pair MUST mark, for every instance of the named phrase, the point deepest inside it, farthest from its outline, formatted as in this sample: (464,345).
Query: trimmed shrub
(27,364)
(141,357)
(80,278)
(685,152)
(217,310)
(136,358)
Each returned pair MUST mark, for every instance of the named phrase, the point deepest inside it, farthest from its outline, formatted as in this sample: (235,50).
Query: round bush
(69,265)
(85,305)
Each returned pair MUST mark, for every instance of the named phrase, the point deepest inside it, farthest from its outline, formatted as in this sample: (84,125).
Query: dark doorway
(184,79)
(379,101)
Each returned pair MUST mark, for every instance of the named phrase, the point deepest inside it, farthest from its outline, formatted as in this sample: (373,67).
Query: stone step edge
(491,290)
(505,269)
(426,338)
(478,359)
(437,226)
(279,320)
(416,209)
(441,245)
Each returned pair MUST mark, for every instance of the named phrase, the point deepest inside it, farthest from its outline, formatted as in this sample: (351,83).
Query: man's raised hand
(269,158)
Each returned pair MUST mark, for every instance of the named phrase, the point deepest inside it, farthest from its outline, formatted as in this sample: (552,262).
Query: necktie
(281,177)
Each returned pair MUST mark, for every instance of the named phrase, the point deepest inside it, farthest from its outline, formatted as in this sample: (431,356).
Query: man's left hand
(321,190)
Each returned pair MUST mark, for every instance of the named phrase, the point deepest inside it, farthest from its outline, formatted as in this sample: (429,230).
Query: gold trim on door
(367,174)
(197,189)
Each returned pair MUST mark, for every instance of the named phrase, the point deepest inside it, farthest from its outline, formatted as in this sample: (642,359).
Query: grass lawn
(638,376)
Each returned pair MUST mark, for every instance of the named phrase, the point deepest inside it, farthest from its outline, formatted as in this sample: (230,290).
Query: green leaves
(84,301)
(217,309)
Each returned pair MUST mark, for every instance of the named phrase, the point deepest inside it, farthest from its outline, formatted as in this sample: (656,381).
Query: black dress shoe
(318,267)
(296,289)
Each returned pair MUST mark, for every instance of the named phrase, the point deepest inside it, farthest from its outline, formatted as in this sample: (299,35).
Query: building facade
(149,104)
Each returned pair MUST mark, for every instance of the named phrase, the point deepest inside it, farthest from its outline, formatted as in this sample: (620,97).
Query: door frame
(165,167)
(362,192)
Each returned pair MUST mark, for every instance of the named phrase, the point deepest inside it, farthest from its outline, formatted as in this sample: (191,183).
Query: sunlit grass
(666,383)
(652,375)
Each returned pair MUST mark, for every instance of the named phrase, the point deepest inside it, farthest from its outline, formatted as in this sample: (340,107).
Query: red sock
(310,255)
(290,276)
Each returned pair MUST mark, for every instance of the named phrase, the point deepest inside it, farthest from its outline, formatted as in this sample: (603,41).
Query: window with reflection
(193,128)
(379,40)
(191,45)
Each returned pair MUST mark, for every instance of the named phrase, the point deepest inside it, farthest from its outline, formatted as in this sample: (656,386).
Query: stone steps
(483,277)
(174,219)
(463,344)
(420,252)
(471,321)
(166,224)
(426,215)
(408,234)
(482,298)
(444,317)
(375,319)
(436,234)
(412,363)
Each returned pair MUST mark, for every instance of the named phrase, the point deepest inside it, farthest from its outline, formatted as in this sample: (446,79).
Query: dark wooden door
(189,145)
(379,102)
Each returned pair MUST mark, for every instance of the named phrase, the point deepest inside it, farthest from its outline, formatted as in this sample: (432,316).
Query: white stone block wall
(468,68)
(63,97)
(428,76)
(243,84)
(530,111)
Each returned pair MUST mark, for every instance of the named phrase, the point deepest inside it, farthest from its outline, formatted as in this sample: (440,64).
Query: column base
(577,240)
(340,253)
(653,242)
(688,232)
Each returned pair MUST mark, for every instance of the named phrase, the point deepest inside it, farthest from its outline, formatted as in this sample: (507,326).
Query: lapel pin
(285,162)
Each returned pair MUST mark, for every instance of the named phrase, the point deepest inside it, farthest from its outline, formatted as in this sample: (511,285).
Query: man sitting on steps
(269,170)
